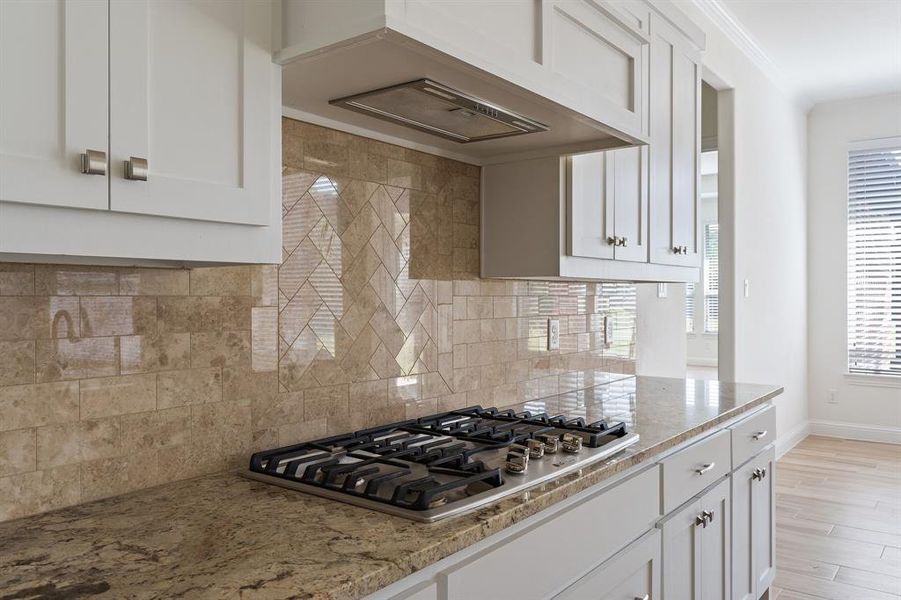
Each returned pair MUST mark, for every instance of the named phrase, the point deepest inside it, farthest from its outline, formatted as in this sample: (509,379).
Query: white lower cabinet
(696,547)
(715,542)
(633,574)
(753,532)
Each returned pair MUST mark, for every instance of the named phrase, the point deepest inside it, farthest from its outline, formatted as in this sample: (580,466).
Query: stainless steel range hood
(440,110)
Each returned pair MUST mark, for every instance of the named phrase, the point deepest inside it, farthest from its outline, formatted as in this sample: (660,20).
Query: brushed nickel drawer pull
(136,169)
(93,162)
(705,468)
(760,435)
(645,597)
(708,515)
(701,520)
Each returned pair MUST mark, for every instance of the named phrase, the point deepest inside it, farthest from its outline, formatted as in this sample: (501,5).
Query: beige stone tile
(404,389)
(357,316)
(204,313)
(297,360)
(264,285)
(157,352)
(384,364)
(154,282)
(188,386)
(412,349)
(409,315)
(156,429)
(386,328)
(64,280)
(221,349)
(433,385)
(368,395)
(76,358)
(221,281)
(38,491)
(223,429)
(16,279)
(360,271)
(298,312)
(391,296)
(493,329)
(504,307)
(421,408)
(357,234)
(113,476)
(356,362)
(391,218)
(467,332)
(271,412)
(327,241)
(110,396)
(104,316)
(336,211)
(357,193)
(466,379)
(17,362)
(72,443)
(34,405)
(405,174)
(303,431)
(264,339)
(241,384)
(326,402)
(329,288)
(17,452)
(299,221)
(30,317)
(295,183)
(387,251)
(368,166)
(297,267)
(332,159)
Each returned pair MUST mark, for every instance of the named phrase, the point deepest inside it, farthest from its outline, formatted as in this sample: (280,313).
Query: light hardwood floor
(838,521)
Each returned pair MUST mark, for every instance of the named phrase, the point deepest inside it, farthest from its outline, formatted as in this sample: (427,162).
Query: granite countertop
(224,536)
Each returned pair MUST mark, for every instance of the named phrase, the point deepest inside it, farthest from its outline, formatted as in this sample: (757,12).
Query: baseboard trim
(787,441)
(856,431)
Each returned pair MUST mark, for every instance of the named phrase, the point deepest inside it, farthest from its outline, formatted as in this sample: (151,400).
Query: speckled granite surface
(223,536)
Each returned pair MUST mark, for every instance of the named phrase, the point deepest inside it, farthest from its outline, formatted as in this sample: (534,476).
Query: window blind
(874,257)
(690,307)
(711,277)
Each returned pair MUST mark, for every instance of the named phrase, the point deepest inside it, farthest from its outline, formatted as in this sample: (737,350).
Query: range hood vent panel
(440,110)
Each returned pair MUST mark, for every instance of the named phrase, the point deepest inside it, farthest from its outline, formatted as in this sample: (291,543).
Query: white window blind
(874,257)
(711,277)
(690,307)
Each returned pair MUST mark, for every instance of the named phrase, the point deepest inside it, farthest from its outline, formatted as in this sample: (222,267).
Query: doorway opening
(702,301)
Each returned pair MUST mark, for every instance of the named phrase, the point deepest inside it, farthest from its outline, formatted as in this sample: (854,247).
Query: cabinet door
(630,199)
(632,574)
(716,576)
(744,582)
(682,554)
(763,541)
(190,92)
(589,205)
(675,148)
(53,101)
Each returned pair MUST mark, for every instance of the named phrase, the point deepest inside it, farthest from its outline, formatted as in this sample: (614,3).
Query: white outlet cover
(608,331)
(553,334)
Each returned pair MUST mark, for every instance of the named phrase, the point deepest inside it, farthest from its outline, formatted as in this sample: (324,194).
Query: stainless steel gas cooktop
(444,465)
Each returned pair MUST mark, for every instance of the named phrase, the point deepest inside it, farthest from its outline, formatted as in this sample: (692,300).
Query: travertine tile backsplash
(117,379)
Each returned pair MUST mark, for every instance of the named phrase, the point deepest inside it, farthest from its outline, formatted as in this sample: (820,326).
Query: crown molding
(733,29)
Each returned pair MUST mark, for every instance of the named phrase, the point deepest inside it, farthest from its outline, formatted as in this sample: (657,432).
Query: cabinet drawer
(753,435)
(564,547)
(689,471)
(633,573)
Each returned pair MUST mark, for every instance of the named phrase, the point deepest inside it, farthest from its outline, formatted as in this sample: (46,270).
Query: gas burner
(441,465)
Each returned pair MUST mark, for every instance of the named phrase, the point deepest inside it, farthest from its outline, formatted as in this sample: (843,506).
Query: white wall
(831,127)
(660,330)
(770,242)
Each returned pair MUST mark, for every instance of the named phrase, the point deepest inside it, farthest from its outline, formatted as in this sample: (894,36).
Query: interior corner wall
(770,234)
(831,127)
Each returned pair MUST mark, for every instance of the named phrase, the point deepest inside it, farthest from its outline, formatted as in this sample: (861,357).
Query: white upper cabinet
(675,147)
(54,105)
(190,94)
(184,92)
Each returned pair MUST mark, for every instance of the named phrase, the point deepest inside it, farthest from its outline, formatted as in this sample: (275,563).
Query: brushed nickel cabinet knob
(93,162)
(136,169)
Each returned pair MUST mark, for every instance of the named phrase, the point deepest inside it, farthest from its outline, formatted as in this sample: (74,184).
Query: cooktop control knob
(536,448)
(571,443)
(551,442)
(517,459)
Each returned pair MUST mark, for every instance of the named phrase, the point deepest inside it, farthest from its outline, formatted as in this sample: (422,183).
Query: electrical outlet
(832,398)
(553,334)
(608,331)
(661,290)
(747,288)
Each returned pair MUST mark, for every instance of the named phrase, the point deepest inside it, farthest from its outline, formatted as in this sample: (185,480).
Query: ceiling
(826,50)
